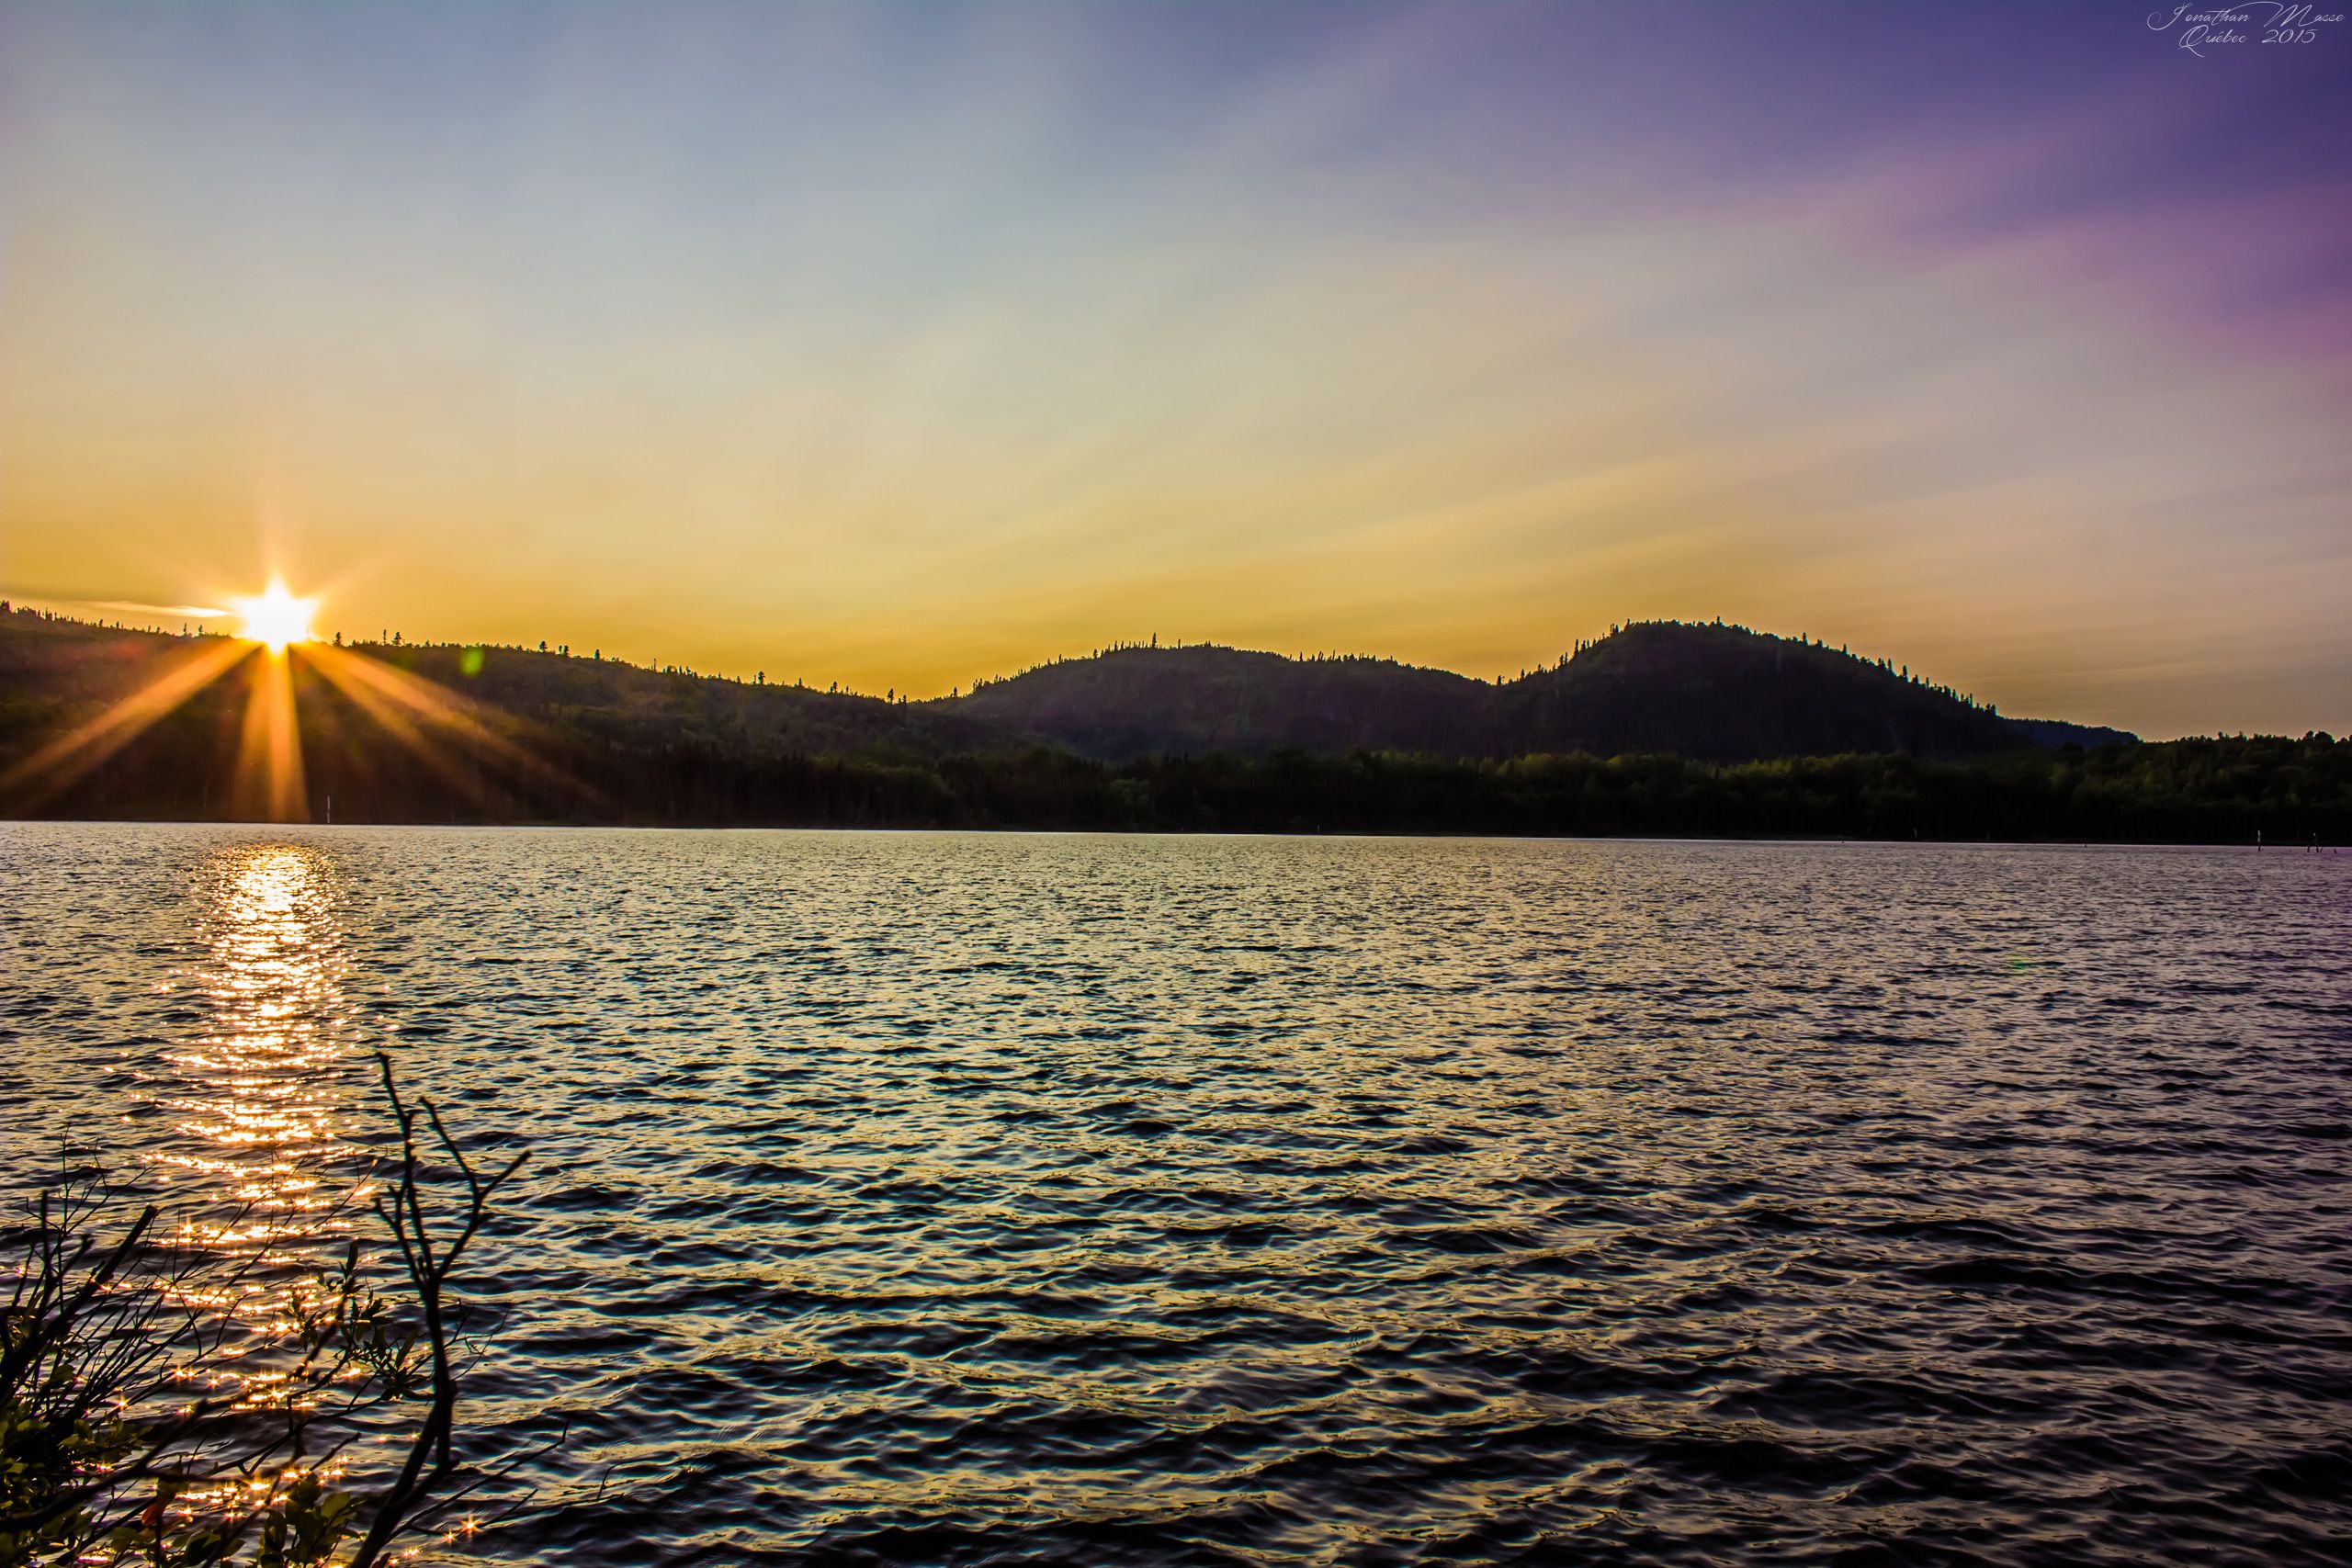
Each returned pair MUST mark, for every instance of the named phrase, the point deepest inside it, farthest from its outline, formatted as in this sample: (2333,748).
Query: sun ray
(433,704)
(70,756)
(270,782)
(269,757)
(398,724)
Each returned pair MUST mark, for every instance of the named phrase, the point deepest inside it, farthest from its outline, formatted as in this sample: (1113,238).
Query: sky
(898,345)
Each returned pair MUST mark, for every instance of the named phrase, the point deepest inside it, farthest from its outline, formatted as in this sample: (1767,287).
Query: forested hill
(1723,693)
(1707,692)
(1712,693)
(503,735)
(1144,702)
(56,673)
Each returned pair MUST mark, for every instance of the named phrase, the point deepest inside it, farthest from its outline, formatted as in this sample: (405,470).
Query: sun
(275,617)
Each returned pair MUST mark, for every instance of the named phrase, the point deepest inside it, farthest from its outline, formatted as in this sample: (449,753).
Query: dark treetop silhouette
(1657,728)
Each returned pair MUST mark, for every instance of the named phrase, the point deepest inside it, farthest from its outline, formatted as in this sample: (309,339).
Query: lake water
(958,1199)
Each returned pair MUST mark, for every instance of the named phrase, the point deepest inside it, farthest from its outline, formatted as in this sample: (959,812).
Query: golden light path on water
(256,1094)
(261,1100)
(256,1090)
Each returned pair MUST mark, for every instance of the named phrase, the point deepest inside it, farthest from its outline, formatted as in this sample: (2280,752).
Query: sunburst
(274,628)
(274,617)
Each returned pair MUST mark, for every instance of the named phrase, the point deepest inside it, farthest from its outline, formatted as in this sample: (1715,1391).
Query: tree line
(592,769)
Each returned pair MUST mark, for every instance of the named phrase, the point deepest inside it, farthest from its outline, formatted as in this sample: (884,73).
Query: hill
(1712,693)
(444,733)
(1708,693)
(52,669)
(1194,738)
(1723,693)
(629,704)
(1140,702)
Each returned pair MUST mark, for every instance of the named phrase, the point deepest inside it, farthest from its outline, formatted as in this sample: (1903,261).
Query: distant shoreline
(2305,850)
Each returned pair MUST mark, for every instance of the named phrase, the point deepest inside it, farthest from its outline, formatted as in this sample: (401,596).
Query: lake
(937,1198)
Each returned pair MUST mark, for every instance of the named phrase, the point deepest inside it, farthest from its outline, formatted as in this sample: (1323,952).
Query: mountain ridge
(1709,691)
(101,723)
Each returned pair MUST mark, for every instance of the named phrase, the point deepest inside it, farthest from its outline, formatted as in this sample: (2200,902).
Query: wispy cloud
(132,607)
(899,346)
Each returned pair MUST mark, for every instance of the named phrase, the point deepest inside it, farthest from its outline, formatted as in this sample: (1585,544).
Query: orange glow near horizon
(840,346)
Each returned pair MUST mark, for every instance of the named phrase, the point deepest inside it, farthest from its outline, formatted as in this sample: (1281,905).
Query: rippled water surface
(945,1199)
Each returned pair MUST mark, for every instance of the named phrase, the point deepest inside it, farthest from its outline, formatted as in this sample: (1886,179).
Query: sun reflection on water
(257,1095)
(264,1184)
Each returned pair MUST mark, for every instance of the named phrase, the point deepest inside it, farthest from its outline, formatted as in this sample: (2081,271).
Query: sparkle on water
(952,1198)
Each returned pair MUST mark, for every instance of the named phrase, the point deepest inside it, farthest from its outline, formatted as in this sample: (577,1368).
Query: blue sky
(903,344)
